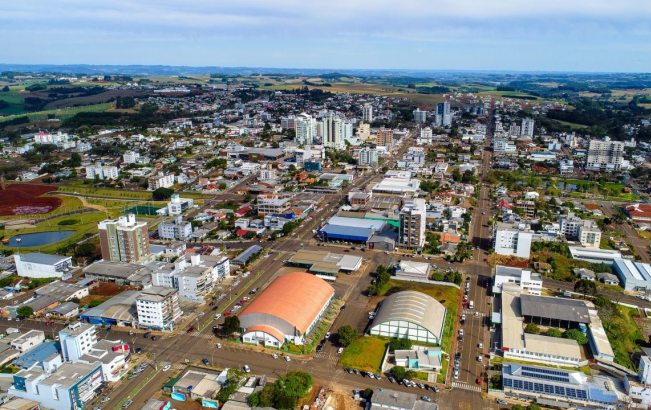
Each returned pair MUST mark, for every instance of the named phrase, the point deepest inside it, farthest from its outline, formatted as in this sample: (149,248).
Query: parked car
(205,361)
(246,368)
(167,367)
(218,316)
(341,350)
(127,404)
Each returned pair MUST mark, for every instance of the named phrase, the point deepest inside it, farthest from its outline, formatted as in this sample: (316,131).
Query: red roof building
(639,212)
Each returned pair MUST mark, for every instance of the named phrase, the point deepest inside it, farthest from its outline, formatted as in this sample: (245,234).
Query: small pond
(26,240)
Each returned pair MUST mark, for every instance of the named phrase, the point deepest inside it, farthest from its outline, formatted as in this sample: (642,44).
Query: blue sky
(567,35)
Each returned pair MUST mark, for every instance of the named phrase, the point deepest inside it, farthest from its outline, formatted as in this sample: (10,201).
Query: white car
(341,350)
(219,345)
(246,368)
(218,316)
(288,359)
(480,345)
(167,367)
(456,374)
(275,355)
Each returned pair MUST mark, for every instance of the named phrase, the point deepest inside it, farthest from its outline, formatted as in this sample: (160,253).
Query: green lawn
(15,100)
(86,224)
(365,353)
(105,192)
(624,335)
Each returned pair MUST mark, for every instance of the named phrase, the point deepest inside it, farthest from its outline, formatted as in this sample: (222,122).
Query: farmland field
(22,199)
(15,102)
(62,113)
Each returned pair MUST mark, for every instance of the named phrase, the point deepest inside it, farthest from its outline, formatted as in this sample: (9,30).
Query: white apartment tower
(420,117)
(413,223)
(368,156)
(332,137)
(305,129)
(367,113)
(526,127)
(605,155)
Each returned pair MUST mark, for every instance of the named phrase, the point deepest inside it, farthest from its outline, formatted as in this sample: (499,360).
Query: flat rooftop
(326,261)
(555,308)
(556,346)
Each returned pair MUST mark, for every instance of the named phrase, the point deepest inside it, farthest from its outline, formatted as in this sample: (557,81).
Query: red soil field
(27,199)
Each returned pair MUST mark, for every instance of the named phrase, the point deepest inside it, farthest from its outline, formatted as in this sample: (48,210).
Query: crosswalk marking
(466,386)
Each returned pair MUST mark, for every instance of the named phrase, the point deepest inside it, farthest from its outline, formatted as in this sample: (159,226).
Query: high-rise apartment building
(305,129)
(605,155)
(332,137)
(364,131)
(443,117)
(413,223)
(368,156)
(76,340)
(385,137)
(526,127)
(420,117)
(158,308)
(124,239)
(367,113)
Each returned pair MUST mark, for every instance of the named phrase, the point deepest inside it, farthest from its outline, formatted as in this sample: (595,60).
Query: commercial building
(516,344)
(413,223)
(350,229)
(325,263)
(504,147)
(245,257)
(124,239)
(605,155)
(100,171)
(412,270)
(513,239)
(410,315)
(27,341)
(553,387)
(178,229)
(639,212)
(42,265)
(177,205)
(71,386)
(46,355)
(119,272)
(398,400)
(527,280)
(158,308)
(634,276)
(595,255)
(272,205)
(119,310)
(287,310)
(403,186)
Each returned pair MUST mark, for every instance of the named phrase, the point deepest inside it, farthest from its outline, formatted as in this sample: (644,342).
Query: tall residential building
(76,340)
(385,137)
(513,239)
(368,156)
(367,113)
(605,155)
(158,308)
(332,137)
(364,131)
(526,127)
(420,117)
(176,229)
(346,129)
(443,117)
(130,157)
(305,129)
(413,223)
(124,239)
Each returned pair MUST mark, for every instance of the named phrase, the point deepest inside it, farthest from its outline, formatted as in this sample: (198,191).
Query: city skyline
(445,35)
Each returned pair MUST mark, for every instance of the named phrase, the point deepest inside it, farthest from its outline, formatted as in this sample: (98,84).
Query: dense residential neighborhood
(216,241)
